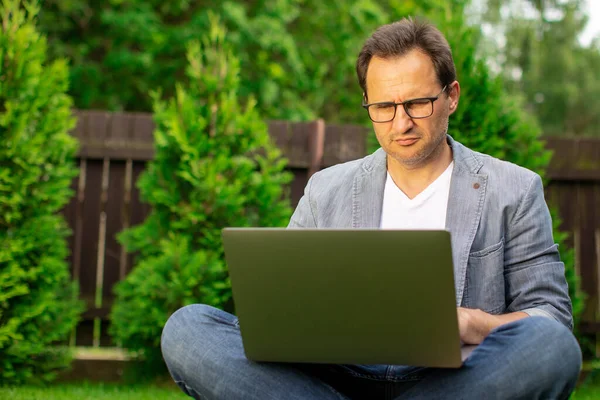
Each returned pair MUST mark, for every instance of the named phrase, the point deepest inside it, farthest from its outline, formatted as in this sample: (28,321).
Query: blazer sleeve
(305,214)
(534,274)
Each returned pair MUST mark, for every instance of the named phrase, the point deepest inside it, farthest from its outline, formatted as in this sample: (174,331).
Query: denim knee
(560,356)
(550,334)
(185,327)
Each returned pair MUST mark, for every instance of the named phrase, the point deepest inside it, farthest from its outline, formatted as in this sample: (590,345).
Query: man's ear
(453,95)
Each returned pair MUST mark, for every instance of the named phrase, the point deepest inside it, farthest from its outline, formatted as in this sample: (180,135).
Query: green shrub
(38,305)
(120,50)
(298,64)
(214,167)
(159,285)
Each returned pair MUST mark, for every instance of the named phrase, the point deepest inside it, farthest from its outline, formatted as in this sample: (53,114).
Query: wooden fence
(116,146)
(575,189)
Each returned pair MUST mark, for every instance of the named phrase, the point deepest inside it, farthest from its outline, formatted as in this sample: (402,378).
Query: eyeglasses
(415,108)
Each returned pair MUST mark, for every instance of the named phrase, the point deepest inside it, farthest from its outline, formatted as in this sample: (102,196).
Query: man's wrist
(493,321)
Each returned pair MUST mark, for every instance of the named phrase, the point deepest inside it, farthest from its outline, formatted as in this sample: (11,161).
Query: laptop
(345,296)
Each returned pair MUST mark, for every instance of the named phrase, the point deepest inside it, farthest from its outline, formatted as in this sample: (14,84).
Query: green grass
(590,388)
(94,391)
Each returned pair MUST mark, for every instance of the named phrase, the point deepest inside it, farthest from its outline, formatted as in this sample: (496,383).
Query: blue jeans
(533,358)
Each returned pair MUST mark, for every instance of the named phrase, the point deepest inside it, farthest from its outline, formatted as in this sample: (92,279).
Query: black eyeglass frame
(403,104)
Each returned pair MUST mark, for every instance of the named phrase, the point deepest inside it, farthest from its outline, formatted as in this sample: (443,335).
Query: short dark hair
(398,38)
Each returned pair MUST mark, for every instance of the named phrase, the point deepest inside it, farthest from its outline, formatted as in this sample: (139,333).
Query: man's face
(411,142)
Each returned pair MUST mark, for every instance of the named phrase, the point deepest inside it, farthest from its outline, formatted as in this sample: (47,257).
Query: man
(511,291)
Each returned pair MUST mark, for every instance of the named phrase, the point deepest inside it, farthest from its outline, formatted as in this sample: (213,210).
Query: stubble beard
(424,155)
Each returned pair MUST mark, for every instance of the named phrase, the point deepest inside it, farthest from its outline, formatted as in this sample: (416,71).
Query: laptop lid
(356,296)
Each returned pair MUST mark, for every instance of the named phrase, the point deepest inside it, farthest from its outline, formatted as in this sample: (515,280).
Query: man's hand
(475,325)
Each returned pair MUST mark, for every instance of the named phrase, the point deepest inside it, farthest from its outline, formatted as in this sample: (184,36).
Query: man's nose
(402,122)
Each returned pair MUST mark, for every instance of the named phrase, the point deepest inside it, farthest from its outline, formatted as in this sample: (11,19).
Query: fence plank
(90,229)
(95,128)
(101,254)
(574,158)
(595,205)
(294,140)
(585,247)
(114,224)
(344,143)
(70,213)
(141,147)
(298,184)
(118,142)
(559,195)
(126,215)
(138,210)
(316,146)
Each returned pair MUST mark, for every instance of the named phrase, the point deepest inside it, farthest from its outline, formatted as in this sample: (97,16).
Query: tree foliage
(214,167)
(541,58)
(38,301)
(121,50)
(296,56)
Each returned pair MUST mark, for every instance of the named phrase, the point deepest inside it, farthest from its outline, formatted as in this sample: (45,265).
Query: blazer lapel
(367,192)
(465,204)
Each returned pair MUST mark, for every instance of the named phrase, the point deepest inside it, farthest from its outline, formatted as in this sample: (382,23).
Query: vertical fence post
(316,145)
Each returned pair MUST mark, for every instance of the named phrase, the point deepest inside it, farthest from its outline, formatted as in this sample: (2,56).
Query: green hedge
(38,301)
(214,167)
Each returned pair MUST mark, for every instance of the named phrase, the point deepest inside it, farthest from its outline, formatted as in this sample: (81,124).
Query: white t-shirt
(426,211)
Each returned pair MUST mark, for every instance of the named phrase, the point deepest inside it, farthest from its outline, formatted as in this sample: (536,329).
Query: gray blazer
(504,255)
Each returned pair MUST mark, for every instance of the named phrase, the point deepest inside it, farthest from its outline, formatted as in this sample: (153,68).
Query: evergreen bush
(215,166)
(38,301)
